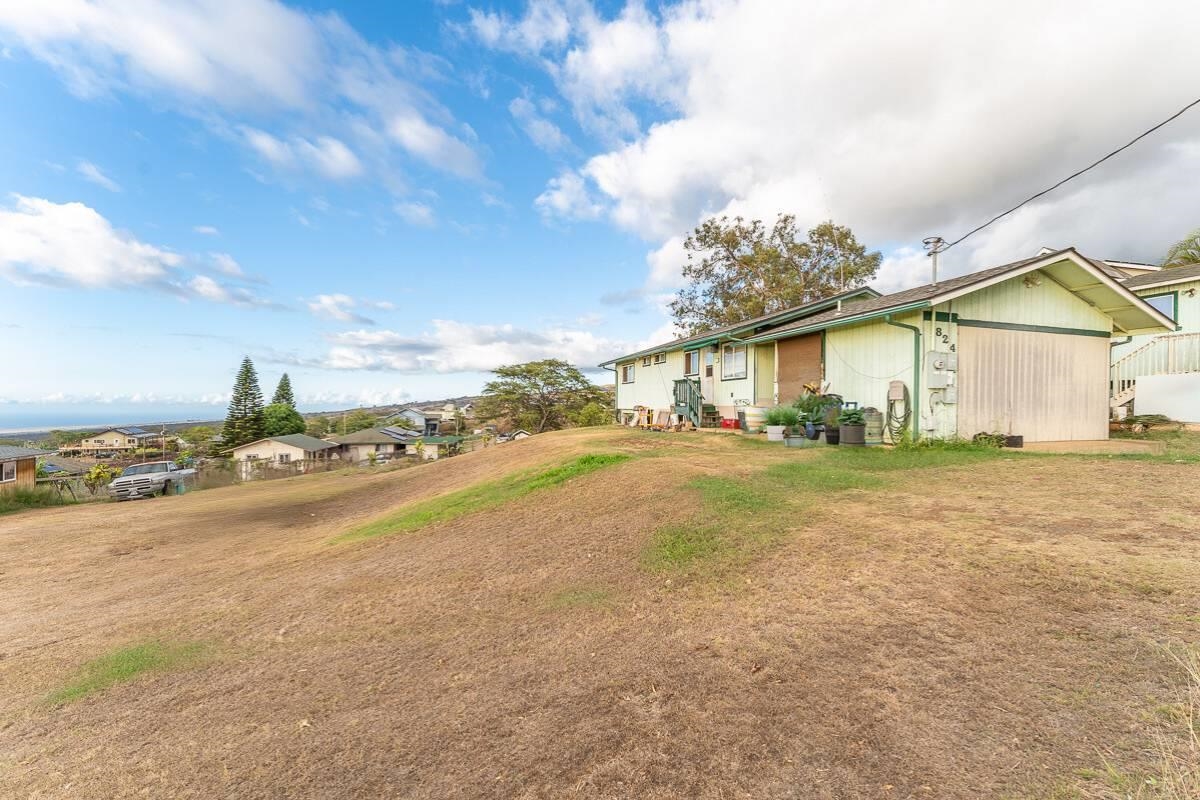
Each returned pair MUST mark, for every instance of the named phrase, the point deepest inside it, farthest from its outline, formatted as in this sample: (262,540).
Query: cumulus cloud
(71,244)
(94,174)
(568,197)
(228,60)
(718,111)
(452,347)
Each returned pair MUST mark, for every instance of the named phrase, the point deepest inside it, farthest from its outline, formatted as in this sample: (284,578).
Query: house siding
(26,475)
(1187,314)
(862,360)
(1046,304)
(268,450)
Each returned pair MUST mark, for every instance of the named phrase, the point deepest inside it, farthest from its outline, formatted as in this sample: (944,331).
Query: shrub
(852,416)
(783,415)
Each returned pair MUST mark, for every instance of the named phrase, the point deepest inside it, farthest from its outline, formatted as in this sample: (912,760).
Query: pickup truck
(149,479)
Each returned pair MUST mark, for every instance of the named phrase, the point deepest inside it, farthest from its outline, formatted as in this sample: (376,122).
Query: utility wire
(1074,175)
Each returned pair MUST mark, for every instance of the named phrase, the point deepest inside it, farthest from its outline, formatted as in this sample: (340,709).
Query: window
(8,472)
(660,358)
(627,373)
(1163,302)
(691,362)
(285,458)
(646,361)
(733,362)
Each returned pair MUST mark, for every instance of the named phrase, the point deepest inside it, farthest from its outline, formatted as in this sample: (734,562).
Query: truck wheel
(166,490)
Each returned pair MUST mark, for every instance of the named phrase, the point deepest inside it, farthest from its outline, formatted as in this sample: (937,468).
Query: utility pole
(935,245)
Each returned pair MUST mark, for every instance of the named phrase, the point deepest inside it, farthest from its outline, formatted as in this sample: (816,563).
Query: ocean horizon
(32,419)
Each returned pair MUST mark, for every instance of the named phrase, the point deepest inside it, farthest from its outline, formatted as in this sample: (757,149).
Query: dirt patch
(967,632)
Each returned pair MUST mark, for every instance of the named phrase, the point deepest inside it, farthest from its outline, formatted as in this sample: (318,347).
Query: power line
(1074,175)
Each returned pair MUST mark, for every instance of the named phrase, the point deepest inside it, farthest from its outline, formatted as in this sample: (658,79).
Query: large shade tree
(539,395)
(738,269)
(244,422)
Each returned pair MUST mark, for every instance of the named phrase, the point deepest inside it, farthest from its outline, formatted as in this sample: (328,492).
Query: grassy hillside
(608,613)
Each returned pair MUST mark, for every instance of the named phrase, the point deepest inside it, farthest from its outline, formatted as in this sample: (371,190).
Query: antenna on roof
(935,245)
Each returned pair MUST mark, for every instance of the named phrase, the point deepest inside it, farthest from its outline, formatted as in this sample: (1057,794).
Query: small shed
(18,467)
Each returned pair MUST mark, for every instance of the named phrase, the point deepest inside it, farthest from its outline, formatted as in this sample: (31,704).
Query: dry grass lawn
(710,618)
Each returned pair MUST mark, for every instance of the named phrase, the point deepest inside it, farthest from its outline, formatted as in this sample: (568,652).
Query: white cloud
(545,23)
(724,113)
(567,196)
(541,131)
(415,214)
(206,230)
(72,244)
(94,174)
(453,347)
(206,288)
(326,156)
(338,307)
(224,61)
(227,265)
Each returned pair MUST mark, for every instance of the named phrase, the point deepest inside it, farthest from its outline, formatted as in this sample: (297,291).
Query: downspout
(1126,340)
(916,395)
(616,393)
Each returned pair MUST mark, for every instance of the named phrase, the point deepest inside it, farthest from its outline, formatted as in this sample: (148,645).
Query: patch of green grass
(122,666)
(20,499)
(1182,445)
(479,497)
(581,597)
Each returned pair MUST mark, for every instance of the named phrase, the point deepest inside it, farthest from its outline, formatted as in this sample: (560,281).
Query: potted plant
(832,432)
(852,427)
(779,419)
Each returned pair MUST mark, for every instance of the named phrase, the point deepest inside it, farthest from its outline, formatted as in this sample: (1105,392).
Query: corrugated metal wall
(1043,386)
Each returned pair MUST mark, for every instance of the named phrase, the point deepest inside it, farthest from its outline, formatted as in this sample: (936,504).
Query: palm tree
(1185,252)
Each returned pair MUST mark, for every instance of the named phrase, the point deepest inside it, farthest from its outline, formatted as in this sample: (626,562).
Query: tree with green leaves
(283,394)
(737,270)
(357,420)
(538,396)
(594,413)
(1185,252)
(280,419)
(244,422)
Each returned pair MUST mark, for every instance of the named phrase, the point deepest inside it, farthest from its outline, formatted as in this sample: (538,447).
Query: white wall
(653,386)
(268,450)
(1187,315)
(1176,396)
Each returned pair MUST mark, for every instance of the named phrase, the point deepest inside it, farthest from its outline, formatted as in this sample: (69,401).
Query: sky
(388,200)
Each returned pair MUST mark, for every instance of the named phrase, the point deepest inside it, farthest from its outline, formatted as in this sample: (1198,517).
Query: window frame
(688,356)
(284,458)
(660,358)
(1174,295)
(4,467)
(632,373)
(745,361)
(645,361)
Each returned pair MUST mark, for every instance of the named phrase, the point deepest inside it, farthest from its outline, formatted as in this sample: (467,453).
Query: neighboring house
(295,447)
(116,440)
(383,443)
(18,467)
(1160,373)
(519,434)
(414,416)
(435,447)
(1019,349)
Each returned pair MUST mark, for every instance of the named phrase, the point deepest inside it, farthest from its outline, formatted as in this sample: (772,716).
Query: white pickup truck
(149,479)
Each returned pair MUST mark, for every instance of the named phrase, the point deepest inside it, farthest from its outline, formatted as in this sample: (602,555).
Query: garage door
(1043,386)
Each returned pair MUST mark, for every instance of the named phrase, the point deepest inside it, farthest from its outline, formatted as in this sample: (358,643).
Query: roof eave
(916,305)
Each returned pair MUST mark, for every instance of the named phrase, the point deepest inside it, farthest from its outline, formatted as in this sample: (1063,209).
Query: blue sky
(387,200)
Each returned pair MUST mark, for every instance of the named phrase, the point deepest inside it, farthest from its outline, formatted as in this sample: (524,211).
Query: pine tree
(283,392)
(244,423)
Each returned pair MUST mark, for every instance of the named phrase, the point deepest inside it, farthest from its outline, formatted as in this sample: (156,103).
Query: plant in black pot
(852,424)
(832,432)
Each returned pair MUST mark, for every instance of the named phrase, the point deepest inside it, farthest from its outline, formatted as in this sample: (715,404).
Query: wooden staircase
(1169,354)
(709,418)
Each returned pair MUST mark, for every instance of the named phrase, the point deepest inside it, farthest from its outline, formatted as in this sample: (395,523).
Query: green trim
(916,395)
(822,356)
(1014,326)
(942,316)
(1174,295)
(840,323)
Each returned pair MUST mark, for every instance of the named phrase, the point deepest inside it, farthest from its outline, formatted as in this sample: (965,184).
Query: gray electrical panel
(950,395)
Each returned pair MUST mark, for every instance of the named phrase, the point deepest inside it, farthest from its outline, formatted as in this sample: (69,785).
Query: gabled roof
(300,440)
(8,452)
(1075,273)
(1164,277)
(751,325)
(133,431)
(386,435)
